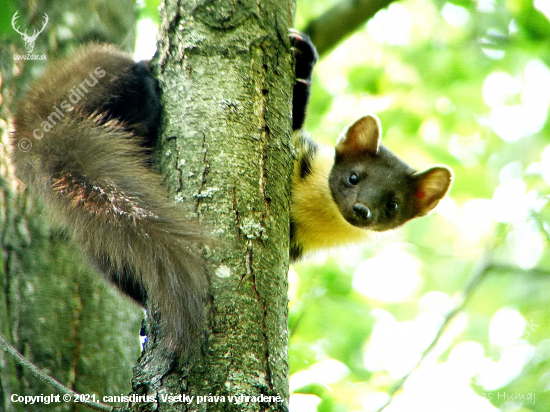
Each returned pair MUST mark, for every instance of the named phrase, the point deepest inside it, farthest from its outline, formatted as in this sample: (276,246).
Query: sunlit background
(466,84)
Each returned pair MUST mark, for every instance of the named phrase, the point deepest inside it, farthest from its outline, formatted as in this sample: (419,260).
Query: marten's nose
(361,211)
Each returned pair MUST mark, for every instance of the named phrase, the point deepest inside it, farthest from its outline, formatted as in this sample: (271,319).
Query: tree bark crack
(236,211)
(205,170)
(261,300)
(178,168)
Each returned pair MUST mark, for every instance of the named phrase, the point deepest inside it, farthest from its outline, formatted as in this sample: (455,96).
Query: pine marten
(92,122)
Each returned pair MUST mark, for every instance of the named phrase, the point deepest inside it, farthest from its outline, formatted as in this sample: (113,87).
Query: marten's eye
(353,179)
(392,205)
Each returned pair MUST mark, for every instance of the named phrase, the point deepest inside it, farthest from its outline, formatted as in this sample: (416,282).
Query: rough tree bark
(225,70)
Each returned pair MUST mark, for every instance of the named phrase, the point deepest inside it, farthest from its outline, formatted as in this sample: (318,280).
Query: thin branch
(48,380)
(461,298)
(536,272)
(340,21)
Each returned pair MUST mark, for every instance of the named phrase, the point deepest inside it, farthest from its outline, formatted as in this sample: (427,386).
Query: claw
(295,35)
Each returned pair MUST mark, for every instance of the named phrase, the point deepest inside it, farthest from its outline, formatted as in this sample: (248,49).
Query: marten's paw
(305,55)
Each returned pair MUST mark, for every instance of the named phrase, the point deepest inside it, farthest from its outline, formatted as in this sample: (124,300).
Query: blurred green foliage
(8,10)
(466,84)
(149,9)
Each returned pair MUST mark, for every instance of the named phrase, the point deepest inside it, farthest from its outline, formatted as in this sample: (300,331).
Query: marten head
(376,190)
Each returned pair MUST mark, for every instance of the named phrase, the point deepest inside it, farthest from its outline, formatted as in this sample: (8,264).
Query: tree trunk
(225,70)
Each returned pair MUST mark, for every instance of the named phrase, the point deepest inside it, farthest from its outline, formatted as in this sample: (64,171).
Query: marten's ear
(360,137)
(431,185)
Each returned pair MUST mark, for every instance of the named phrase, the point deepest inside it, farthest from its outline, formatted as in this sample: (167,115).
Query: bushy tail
(92,177)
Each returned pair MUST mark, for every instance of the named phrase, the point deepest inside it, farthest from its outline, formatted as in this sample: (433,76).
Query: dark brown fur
(91,173)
